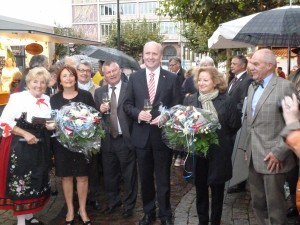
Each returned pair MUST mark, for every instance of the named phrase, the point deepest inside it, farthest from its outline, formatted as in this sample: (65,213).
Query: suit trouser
(155,162)
(94,178)
(268,198)
(119,162)
(202,195)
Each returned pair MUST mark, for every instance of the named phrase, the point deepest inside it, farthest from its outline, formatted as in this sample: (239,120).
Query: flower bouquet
(79,128)
(190,129)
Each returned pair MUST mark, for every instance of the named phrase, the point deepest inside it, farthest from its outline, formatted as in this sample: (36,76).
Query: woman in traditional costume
(25,156)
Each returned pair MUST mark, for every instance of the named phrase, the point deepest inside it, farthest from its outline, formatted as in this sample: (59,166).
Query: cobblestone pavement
(236,211)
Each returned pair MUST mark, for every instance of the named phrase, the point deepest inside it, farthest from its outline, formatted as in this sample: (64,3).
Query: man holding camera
(268,157)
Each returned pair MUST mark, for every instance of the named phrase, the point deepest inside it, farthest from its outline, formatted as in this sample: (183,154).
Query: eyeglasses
(82,71)
(171,65)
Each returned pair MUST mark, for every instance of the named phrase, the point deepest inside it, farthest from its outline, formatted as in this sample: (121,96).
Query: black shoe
(111,210)
(88,222)
(30,222)
(127,213)
(292,212)
(148,219)
(167,222)
(95,204)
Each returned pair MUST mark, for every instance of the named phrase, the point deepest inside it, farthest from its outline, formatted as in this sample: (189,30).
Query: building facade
(96,18)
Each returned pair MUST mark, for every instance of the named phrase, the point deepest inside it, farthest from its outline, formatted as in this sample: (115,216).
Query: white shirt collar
(118,85)
(240,74)
(156,71)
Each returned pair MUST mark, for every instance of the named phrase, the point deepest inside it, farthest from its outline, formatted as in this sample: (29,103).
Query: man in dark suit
(175,67)
(268,157)
(118,155)
(237,89)
(153,156)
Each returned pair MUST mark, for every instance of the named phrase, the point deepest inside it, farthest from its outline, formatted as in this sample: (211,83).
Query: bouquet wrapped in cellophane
(190,129)
(79,128)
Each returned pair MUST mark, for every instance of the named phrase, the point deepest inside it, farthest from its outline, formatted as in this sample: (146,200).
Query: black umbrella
(278,27)
(103,53)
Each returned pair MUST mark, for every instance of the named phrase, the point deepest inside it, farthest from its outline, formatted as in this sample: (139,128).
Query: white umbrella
(222,37)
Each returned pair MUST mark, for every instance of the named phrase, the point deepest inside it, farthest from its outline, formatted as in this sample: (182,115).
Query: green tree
(206,15)
(134,34)
(62,50)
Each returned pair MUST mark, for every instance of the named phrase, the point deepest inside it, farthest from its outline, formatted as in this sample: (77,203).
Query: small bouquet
(186,128)
(79,128)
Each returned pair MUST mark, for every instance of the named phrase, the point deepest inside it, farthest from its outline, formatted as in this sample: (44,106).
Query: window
(108,10)
(127,8)
(169,52)
(106,29)
(148,7)
(168,28)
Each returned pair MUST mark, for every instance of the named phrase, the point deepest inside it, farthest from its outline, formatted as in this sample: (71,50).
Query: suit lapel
(122,95)
(265,95)
(237,82)
(162,82)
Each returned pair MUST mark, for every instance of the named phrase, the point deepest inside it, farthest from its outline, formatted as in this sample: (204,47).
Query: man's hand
(145,116)
(155,121)
(273,164)
(104,107)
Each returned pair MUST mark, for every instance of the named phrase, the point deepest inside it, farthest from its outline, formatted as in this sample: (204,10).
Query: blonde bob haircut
(217,78)
(37,72)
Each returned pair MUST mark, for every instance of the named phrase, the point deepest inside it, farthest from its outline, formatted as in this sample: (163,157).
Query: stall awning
(44,36)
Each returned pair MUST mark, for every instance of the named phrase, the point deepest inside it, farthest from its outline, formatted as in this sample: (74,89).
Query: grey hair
(86,63)
(208,60)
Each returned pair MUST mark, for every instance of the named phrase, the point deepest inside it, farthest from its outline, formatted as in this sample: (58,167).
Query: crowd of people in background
(246,101)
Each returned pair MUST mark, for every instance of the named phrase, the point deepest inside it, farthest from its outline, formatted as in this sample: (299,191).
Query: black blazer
(167,94)
(239,90)
(219,156)
(188,86)
(124,120)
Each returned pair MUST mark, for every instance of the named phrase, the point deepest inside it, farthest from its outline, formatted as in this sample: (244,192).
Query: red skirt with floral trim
(19,206)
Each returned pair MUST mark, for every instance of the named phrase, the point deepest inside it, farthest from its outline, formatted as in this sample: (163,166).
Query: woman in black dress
(70,164)
(215,169)
(25,156)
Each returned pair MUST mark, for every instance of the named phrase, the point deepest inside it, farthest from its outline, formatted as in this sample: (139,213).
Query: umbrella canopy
(278,27)
(103,53)
(93,61)
(222,37)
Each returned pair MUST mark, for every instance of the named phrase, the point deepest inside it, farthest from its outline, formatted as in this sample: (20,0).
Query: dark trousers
(119,164)
(292,179)
(154,167)
(202,195)
(94,178)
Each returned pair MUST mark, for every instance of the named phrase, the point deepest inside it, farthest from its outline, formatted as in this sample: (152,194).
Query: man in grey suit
(268,158)
(118,155)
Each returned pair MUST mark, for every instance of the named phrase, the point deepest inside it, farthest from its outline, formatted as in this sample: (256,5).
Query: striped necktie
(151,87)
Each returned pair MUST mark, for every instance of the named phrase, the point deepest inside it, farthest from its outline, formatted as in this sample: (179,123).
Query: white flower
(83,112)
(181,118)
(78,122)
(196,115)
(185,131)
(177,113)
